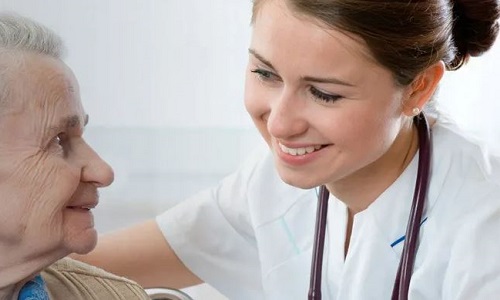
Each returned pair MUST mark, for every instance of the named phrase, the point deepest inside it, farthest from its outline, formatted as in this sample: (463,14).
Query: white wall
(153,63)
(471,96)
(180,63)
(163,83)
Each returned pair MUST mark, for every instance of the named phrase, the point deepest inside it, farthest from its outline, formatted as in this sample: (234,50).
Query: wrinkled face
(325,108)
(48,174)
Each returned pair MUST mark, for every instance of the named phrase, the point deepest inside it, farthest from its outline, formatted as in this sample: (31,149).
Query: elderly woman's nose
(97,171)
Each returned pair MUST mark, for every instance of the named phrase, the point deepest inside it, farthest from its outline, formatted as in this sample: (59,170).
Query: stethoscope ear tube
(405,269)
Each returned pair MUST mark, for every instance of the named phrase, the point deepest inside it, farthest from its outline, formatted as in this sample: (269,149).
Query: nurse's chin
(298,182)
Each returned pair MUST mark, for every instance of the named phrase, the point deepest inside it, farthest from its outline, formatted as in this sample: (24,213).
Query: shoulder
(258,165)
(463,154)
(465,176)
(269,197)
(256,193)
(70,279)
(255,180)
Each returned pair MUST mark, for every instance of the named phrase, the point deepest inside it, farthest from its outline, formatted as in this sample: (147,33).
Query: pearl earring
(415,111)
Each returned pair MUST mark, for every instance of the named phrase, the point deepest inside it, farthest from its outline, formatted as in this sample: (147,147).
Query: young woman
(335,88)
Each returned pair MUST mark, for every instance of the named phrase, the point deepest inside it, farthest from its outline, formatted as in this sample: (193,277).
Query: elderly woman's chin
(82,243)
(80,240)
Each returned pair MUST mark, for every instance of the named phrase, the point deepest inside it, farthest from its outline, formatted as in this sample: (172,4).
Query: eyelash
(319,95)
(263,74)
(267,76)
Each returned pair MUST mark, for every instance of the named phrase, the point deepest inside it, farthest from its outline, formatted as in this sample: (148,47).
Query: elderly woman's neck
(14,277)
(10,292)
(17,269)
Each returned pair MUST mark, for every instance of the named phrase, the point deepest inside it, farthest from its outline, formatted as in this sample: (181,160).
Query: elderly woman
(49,175)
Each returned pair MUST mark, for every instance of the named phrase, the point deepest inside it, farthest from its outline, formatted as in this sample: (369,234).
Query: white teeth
(299,151)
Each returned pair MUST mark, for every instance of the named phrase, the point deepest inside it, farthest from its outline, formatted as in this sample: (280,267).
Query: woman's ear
(422,88)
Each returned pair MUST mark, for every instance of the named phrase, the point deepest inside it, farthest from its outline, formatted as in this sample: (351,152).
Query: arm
(142,254)
(211,229)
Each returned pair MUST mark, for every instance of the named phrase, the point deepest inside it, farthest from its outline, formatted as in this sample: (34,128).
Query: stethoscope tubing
(406,263)
(319,238)
(405,269)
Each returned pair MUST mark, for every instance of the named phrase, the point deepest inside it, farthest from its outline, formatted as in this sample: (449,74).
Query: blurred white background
(163,83)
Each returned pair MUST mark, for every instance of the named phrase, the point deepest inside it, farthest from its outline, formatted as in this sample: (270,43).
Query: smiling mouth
(300,151)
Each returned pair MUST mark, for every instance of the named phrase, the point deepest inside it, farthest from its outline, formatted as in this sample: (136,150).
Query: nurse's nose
(286,118)
(96,170)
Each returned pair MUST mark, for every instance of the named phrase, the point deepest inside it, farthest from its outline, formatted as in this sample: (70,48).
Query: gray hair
(20,35)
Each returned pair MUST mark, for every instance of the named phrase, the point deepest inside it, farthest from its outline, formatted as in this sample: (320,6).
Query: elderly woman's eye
(59,139)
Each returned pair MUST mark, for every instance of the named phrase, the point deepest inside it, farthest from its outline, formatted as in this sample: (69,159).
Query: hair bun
(475,28)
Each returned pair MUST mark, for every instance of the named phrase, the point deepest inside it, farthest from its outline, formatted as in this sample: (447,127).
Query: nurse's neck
(360,189)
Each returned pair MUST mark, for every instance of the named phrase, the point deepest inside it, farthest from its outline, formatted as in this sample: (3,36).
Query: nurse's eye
(264,75)
(322,96)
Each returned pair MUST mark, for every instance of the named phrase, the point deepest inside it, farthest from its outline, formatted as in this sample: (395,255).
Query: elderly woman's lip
(83,206)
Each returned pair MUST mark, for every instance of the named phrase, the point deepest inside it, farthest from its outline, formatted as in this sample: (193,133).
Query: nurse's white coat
(251,237)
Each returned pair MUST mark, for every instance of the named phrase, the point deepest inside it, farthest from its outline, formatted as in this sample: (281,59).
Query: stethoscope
(405,269)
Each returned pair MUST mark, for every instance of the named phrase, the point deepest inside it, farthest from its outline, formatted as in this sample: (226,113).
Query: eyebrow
(73,121)
(327,80)
(68,122)
(305,78)
(261,58)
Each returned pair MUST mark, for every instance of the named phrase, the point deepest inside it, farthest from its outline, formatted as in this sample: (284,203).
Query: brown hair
(407,36)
